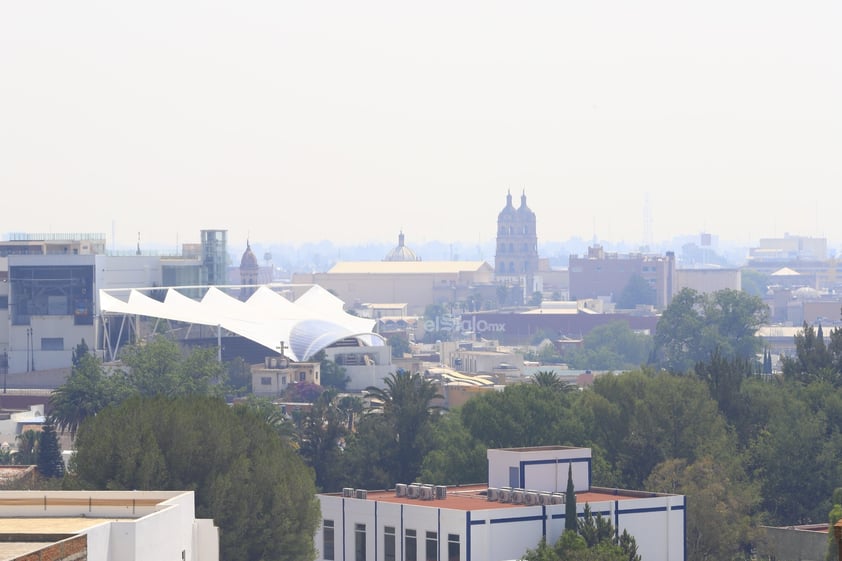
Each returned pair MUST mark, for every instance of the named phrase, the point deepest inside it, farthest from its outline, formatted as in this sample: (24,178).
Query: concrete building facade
(414,283)
(602,274)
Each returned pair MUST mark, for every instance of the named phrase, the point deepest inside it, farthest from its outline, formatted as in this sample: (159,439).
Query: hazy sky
(293,121)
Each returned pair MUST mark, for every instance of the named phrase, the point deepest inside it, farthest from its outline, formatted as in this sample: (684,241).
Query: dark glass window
(327,540)
(410,546)
(52,343)
(432,548)
(359,542)
(389,543)
(51,291)
(453,547)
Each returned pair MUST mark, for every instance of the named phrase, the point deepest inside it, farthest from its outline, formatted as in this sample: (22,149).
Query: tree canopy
(614,346)
(696,325)
(253,484)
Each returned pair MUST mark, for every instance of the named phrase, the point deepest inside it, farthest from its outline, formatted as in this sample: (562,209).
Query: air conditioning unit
(348,492)
(557,498)
(441,491)
(493,494)
(517,496)
(545,499)
(426,492)
(413,490)
(530,498)
(400,490)
(505,495)
(362,494)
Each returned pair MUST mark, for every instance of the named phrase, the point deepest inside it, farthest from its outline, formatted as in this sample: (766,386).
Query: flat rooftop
(473,497)
(41,526)
(22,536)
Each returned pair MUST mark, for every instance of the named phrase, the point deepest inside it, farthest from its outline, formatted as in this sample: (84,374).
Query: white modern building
(57,291)
(523,502)
(104,526)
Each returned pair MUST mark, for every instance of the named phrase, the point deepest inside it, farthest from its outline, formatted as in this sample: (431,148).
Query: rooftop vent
(441,491)
(400,490)
(348,492)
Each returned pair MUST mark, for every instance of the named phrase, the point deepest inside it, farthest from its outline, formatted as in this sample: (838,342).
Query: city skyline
(296,123)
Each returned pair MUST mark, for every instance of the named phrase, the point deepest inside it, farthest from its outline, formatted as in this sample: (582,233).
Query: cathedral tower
(516,258)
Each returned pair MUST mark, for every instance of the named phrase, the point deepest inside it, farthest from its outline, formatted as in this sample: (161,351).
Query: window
(452,547)
(265,380)
(359,542)
(327,540)
(410,545)
(52,343)
(4,302)
(389,543)
(283,380)
(432,548)
(302,376)
(54,291)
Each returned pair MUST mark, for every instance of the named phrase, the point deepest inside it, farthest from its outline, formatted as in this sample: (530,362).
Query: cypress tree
(570,520)
(50,463)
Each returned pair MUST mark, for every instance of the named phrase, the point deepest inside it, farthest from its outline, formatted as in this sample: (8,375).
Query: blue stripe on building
(467,536)
(375,528)
(517,519)
(343,529)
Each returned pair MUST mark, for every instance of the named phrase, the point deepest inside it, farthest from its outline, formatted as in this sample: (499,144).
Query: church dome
(509,210)
(249,259)
(400,252)
(524,210)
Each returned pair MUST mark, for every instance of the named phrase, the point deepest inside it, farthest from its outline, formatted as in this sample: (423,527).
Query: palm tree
(407,405)
(549,379)
(86,392)
(27,453)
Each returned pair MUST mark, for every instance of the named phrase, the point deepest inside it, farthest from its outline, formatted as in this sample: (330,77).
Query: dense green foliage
(696,325)
(156,367)
(50,463)
(405,410)
(816,359)
(614,346)
(254,485)
(570,517)
(589,538)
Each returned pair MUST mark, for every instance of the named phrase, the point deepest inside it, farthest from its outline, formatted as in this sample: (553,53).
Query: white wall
(540,469)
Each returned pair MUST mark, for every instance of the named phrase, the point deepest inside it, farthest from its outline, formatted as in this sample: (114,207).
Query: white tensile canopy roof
(312,322)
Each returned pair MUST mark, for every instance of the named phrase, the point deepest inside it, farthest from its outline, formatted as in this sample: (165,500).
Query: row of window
(267,380)
(501,267)
(511,230)
(511,248)
(410,543)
